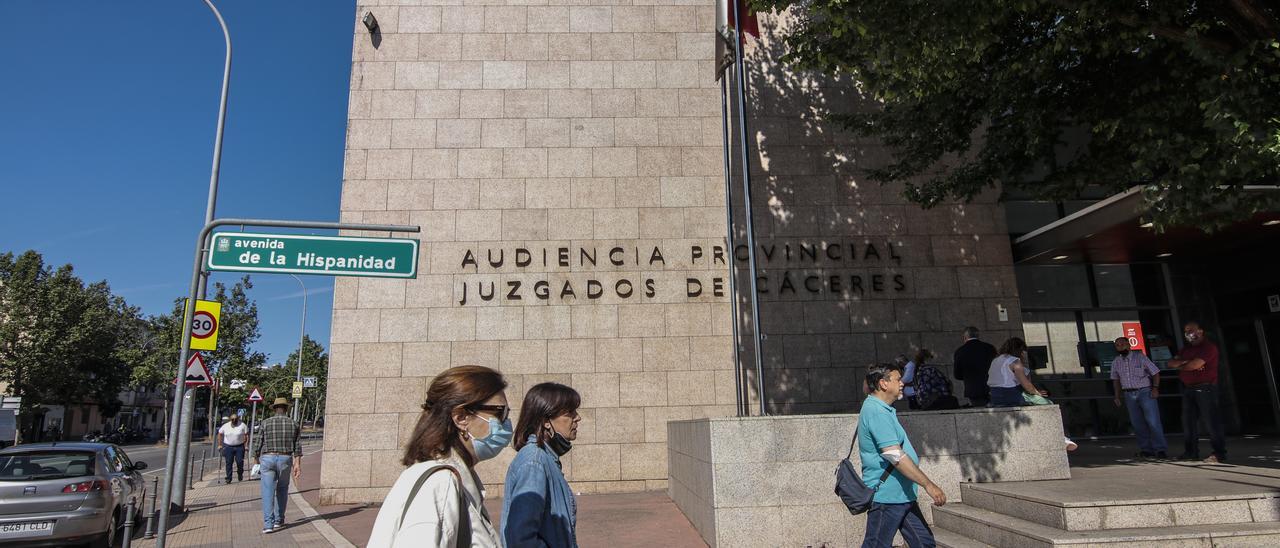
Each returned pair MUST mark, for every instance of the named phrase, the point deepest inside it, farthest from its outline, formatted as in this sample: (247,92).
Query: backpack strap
(464,514)
(887,471)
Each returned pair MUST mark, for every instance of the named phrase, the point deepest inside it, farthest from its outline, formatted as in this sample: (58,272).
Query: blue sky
(109,111)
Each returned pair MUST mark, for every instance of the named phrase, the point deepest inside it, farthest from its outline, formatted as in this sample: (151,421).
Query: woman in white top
(1010,380)
(439,500)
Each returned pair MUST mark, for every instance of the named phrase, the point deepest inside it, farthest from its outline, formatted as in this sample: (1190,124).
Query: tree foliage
(63,342)
(1053,96)
(315,363)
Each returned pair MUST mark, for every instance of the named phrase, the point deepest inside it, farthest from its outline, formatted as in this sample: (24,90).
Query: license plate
(27,529)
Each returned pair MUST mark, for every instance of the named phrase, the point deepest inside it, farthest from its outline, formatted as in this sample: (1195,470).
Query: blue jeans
(884,520)
(1007,397)
(1144,415)
(275,471)
(234,454)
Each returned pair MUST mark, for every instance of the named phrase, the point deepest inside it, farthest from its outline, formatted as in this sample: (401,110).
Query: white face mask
(1191,337)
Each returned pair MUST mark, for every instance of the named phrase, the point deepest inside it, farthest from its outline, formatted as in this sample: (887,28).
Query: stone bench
(769,481)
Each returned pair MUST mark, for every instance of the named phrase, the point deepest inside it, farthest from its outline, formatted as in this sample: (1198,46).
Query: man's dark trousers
(1202,401)
(236,453)
(971,362)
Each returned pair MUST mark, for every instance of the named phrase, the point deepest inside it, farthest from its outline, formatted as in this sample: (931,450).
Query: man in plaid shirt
(277,449)
(1137,381)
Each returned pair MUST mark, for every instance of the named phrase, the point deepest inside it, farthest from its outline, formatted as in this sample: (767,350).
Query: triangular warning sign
(255,395)
(197,372)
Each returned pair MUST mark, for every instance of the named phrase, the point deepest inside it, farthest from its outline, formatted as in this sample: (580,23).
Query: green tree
(62,342)
(315,363)
(1052,96)
(234,357)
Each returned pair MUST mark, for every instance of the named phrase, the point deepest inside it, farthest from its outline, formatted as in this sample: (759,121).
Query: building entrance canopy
(1112,231)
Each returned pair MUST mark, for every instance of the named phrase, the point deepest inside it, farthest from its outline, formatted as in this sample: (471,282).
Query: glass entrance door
(1251,350)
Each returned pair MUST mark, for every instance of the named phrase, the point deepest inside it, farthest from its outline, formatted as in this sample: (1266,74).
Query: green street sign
(323,255)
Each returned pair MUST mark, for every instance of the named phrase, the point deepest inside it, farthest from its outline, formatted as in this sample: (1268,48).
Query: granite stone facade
(564,160)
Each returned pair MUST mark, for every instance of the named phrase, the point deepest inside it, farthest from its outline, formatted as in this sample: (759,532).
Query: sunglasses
(502,412)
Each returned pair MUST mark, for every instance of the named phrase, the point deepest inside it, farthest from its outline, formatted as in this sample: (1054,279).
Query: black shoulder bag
(464,515)
(855,494)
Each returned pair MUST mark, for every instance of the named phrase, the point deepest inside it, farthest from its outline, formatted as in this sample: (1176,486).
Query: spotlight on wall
(370,22)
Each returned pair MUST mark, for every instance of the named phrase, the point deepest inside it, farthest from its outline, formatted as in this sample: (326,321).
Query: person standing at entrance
(1197,366)
(972,361)
(1137,383)
(278,451)
(882,443)
(231,439)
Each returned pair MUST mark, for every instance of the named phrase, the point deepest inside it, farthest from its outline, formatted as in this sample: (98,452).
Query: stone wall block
(523,357)
(548,19)
(644,460)
(597,389)
(571,355)
(347,469)
(377,431)
(351,396)
(398,394)
(590,19)
(424,359)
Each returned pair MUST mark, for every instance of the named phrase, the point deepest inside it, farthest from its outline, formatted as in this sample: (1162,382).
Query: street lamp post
(301,338)
(179,435)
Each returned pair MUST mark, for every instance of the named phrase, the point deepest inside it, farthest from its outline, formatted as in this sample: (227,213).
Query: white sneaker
(268,530)
(1071,445)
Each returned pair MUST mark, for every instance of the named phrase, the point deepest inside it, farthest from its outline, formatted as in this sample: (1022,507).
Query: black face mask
(1123,352)
(559,444)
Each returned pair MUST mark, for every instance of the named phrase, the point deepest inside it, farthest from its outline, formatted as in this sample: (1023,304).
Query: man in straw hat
(277,450)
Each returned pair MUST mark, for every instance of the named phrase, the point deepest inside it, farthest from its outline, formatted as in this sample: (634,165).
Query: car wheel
(109,539)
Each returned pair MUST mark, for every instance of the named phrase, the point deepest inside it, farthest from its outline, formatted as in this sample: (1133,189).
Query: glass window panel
(1063,286)
(1148,284)
(1056,333)
(1115,285)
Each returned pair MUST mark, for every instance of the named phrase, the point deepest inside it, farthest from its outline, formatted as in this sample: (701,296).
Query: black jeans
(234,454)
(1202,402)
(976,391)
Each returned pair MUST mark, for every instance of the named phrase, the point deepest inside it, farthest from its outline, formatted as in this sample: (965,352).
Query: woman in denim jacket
(538,509)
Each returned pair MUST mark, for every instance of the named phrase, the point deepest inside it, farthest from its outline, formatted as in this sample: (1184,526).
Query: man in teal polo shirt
(882,443)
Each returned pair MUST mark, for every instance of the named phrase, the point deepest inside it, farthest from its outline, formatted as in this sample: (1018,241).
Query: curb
(326,530)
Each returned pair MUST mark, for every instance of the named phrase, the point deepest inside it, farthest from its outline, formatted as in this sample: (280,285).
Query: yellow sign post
(204,325)
(297,390)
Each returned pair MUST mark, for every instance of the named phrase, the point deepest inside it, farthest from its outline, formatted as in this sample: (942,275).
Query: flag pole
(746,191)
(733,267)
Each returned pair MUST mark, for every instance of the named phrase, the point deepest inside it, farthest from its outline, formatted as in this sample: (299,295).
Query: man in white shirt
(231,437)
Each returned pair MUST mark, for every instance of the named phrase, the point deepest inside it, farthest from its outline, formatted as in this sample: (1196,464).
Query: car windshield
(46,465)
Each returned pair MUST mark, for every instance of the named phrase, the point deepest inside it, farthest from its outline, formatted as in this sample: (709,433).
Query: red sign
(255,395)
(1133,331)
(197,372)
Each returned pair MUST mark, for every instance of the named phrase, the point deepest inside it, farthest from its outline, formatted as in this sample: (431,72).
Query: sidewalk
(621,520)
(231,515)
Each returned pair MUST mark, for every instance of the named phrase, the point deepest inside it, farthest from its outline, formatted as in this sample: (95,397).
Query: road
(153,455)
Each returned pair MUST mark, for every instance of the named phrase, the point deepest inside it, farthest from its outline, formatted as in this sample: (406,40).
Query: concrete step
(1004,531)
(951,539)
(1047,505)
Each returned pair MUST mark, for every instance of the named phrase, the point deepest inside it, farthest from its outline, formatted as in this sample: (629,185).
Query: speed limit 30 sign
(204,325)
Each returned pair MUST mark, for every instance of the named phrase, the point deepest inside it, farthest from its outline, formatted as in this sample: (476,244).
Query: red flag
(749,23)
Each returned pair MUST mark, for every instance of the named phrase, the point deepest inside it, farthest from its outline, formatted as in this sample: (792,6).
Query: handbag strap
(464,514)
(887,471)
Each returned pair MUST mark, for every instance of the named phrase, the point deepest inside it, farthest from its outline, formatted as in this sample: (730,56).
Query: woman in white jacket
(439,500)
